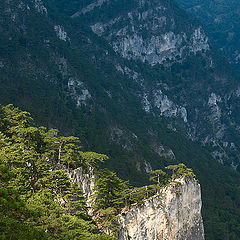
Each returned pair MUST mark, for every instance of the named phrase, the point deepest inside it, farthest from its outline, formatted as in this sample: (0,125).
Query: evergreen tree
(36,197)
(180,170)
(159,176)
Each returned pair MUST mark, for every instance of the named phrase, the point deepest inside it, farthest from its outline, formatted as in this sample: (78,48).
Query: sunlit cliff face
(174,214)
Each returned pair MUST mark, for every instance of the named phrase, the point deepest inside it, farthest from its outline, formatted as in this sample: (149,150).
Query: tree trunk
(59,154)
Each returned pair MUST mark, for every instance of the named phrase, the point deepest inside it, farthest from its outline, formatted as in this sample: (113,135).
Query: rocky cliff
(150,31)
(85,179)
(174,214)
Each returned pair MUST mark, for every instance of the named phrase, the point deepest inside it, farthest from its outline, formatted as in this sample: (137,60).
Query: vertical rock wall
(85,179)
(174,214)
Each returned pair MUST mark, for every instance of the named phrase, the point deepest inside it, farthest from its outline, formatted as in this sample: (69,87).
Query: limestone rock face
(85,179)
(149,33)
(174,214)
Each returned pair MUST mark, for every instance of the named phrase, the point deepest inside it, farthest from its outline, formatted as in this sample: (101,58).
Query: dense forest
(37,200)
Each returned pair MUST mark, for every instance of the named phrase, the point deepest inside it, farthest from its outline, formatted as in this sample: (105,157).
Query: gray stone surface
(174,214)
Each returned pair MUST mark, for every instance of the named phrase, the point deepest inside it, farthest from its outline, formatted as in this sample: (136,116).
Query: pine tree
(159,176)
(36,197)
(180,170)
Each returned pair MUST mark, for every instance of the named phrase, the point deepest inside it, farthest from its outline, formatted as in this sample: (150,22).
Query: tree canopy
(36,197)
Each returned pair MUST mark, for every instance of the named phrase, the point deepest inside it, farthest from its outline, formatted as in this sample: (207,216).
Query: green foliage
(14,214)
(108,199)
(158,176)
(92,158)
(181,170)
(108,189)
(36,198)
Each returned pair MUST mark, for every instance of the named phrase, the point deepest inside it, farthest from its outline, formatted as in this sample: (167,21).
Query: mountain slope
(125,103)
(181,79)
(221,20)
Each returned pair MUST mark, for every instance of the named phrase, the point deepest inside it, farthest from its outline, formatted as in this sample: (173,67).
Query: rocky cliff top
(175,213)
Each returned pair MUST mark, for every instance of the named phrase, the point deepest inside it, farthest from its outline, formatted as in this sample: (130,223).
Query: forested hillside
(36,197)
(221,19)
(148,94)
(38,200)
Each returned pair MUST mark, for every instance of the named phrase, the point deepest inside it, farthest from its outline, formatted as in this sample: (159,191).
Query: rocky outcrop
(85,179)
(149,33)
(174,214)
